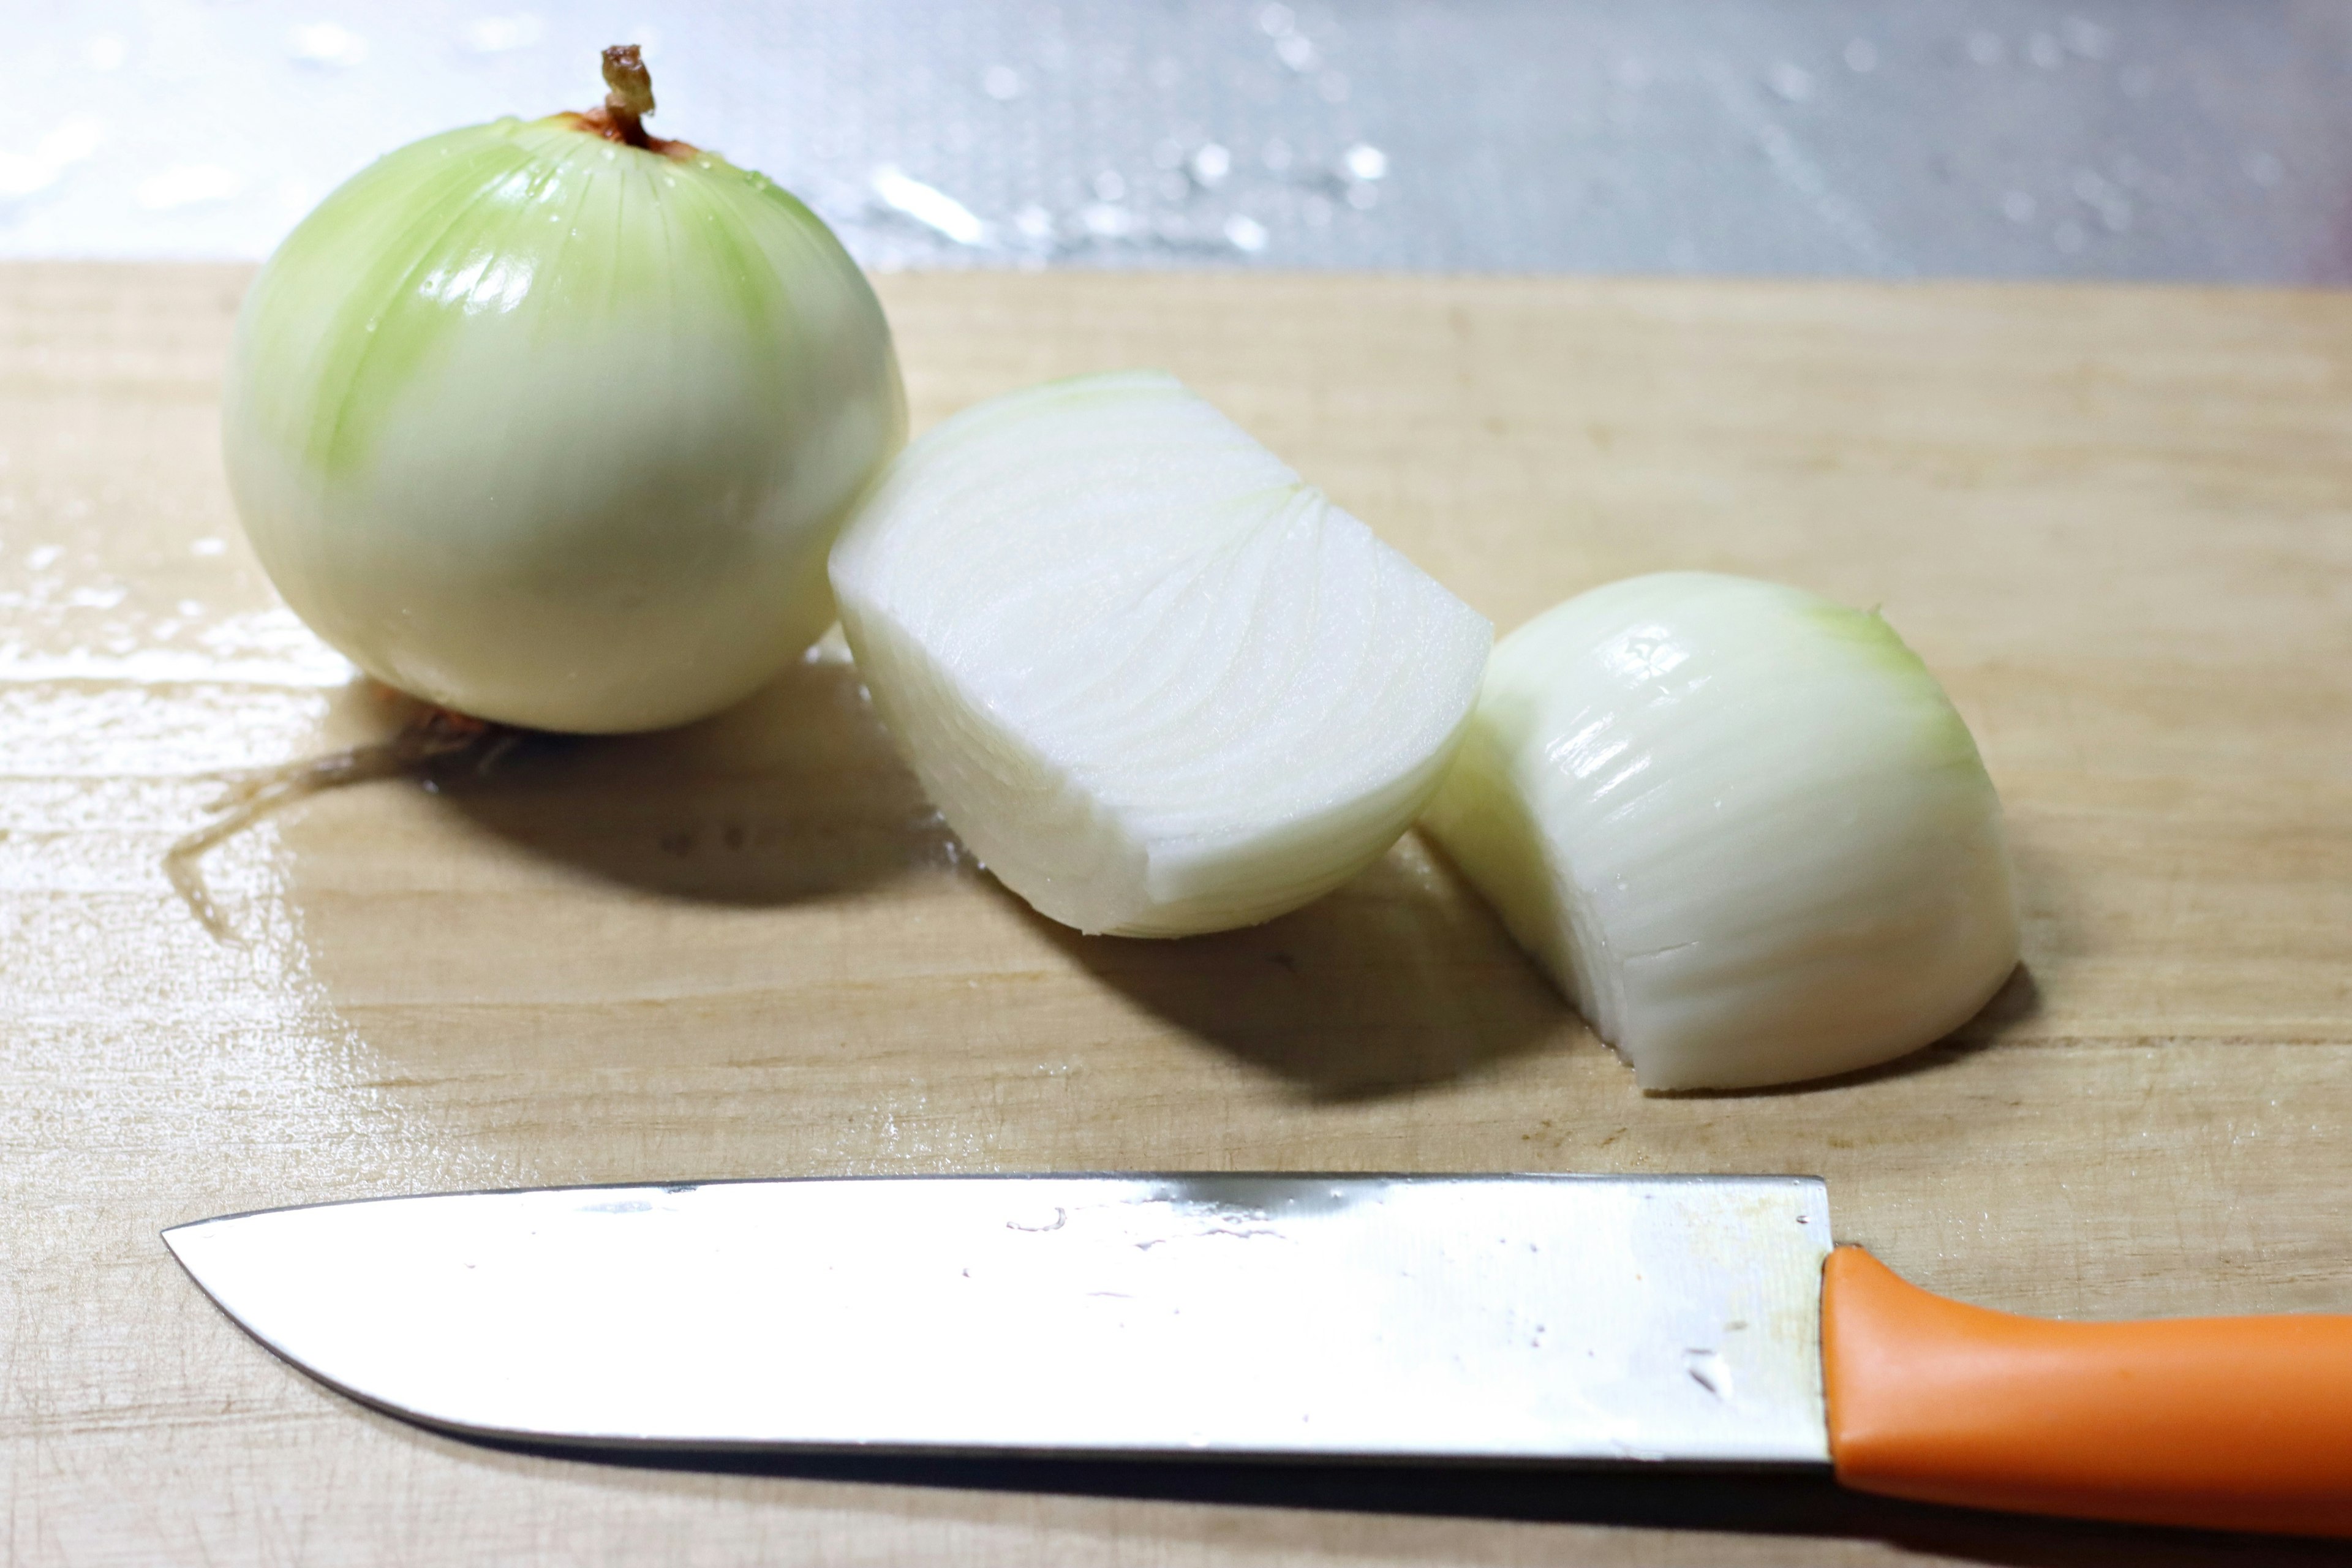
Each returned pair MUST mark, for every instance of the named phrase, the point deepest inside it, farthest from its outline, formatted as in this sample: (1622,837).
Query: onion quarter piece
(1157,682)
(1741,826)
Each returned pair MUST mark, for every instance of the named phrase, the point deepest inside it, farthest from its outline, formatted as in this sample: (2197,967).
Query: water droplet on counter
(1790,81)
(928,205)
(1365,162)
(1247,234)
(1276,20)
(2086,37)
(1002,83)
(1110,185)
(1210,163)
(1296,51)
(208,546)
(2104,197)
(325,43)
(1107,220)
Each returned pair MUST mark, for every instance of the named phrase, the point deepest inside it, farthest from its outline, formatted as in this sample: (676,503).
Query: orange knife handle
(2214,1423)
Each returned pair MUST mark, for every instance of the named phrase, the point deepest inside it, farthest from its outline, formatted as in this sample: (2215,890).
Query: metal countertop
(2119,139)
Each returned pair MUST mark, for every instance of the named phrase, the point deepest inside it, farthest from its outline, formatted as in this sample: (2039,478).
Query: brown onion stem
(630,97)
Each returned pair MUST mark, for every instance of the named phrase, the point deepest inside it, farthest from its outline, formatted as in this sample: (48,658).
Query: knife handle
(2213,1423)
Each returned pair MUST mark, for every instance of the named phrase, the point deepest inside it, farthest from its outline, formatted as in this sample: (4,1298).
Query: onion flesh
(1157,683)
(1742,827)
(554,430)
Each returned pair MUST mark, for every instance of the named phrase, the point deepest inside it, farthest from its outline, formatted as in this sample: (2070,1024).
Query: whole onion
(552,423)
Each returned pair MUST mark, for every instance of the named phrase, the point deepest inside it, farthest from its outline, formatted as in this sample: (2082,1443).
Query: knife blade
(1650,1321)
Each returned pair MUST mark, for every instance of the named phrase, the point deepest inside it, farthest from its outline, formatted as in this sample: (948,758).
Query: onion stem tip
(631,95)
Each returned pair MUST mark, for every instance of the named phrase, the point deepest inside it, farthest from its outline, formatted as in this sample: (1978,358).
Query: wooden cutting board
(2118,522)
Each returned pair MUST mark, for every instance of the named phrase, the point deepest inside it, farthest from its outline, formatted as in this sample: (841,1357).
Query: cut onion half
(1742,826)
(1157,682)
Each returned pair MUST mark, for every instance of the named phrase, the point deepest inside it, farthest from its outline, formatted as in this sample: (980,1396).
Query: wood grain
(2117,522)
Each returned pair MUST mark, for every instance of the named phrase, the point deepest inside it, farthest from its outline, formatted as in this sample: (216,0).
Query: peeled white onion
(1742,826)
(1157,682)
(552,424)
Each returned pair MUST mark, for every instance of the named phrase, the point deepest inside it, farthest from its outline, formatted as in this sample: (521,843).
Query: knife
(1691,1320)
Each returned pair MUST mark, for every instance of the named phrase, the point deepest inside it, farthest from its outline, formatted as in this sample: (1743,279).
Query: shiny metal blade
(1574,1317)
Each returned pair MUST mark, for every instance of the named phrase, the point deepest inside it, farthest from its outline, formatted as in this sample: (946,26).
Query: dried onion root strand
(434,737)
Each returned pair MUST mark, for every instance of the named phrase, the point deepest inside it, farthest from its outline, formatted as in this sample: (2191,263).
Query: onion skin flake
(1740,825)
(552,428)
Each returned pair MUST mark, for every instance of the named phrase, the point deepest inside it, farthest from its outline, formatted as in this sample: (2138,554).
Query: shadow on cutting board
(1399,978)
(1402,978)
(794,795)
(1728,1502)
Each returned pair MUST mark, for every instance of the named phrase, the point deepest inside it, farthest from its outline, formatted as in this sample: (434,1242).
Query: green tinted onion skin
(1742,827)
(556,431)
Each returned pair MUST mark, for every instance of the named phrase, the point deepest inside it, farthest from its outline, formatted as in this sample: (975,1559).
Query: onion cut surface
(1157,683)
(1741,825)
(557,431)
